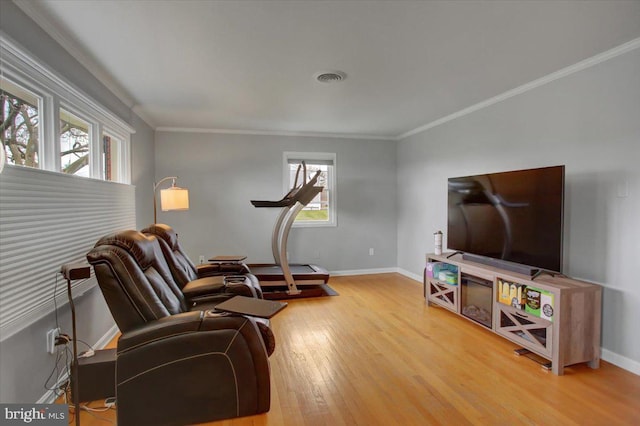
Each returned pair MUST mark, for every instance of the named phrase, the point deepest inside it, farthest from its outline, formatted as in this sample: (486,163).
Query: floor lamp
(173,198)
(71,272)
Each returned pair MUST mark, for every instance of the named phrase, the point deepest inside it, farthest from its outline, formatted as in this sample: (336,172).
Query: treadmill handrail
(294,195)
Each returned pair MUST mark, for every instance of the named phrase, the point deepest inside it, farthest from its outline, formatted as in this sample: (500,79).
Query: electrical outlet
(201,259)
(371,251)
(52,335)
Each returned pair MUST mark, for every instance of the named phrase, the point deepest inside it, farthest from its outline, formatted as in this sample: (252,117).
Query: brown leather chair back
(179,263)
(135,279)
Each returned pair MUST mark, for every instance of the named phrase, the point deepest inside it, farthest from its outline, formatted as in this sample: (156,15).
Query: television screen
(515,216)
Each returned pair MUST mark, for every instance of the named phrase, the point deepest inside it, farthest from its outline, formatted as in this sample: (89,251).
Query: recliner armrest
(204,286)
(187,322)
(214,269)
(219,288)
(208,270)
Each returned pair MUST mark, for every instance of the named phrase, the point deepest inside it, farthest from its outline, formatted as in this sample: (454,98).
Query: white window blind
(48,219)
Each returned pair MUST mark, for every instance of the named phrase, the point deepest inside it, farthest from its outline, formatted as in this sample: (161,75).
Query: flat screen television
(513,217)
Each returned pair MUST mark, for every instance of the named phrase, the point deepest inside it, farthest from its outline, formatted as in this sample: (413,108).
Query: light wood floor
(377,355)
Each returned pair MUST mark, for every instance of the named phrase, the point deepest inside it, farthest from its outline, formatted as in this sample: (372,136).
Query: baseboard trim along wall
(363,272)
(50,396)
(411,275)
(620,361)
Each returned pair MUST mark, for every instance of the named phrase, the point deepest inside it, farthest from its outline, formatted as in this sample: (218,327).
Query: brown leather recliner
(239,280)
(176,364)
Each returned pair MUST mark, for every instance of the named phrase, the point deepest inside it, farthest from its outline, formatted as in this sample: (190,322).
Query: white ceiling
(250,65)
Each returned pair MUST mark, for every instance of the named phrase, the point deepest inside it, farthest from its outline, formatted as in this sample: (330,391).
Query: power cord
(60,369)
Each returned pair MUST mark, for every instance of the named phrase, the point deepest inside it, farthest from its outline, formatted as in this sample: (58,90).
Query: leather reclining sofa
(178,360)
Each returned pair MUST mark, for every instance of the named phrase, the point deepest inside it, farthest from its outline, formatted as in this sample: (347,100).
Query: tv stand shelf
(566,330)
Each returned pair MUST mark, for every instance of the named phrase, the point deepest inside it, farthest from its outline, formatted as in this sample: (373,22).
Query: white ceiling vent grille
(330,76)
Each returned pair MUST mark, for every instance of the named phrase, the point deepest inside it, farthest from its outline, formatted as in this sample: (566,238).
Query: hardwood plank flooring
(377,355)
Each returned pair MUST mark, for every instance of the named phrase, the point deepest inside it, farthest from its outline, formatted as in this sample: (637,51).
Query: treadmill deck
(271,275)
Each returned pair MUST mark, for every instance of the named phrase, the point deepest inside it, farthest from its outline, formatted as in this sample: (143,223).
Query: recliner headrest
(165,232)
(138,244)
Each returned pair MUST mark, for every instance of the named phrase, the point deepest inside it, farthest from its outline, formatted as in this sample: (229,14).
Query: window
(75,138)
(112,156)
(321,211)
(49,124)
(20,124)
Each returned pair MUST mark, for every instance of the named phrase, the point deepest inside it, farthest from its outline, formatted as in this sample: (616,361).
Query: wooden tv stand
(571,335)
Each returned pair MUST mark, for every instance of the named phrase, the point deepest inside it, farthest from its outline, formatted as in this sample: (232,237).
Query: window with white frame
(75,143)
(321,211)
(47,123)
(20,124)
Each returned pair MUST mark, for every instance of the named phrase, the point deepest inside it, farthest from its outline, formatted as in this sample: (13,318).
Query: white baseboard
(364,271)
(50,396)
(411,275)
(108,337)
(621,361)
(400,271)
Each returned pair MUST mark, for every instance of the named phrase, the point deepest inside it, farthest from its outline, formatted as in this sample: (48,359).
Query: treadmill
(295,277)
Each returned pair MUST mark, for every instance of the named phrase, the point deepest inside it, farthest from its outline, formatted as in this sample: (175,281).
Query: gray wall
(24,364)
(223,172)
(588,121)
(142,169)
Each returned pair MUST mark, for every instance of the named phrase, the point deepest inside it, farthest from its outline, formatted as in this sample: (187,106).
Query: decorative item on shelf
(441,271)
(503,292)
(438,242)
(431,266)
(511,294)
(448,277)
(517,296)
(539,303)
(72,272)
(173,198)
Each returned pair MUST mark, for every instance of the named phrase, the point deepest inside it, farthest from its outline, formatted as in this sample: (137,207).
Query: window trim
(310,157)
(25,70)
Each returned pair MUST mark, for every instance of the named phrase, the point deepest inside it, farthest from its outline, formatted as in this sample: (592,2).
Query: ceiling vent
(330,76)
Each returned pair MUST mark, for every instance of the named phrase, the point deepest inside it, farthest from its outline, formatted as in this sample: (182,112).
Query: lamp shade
(174,198)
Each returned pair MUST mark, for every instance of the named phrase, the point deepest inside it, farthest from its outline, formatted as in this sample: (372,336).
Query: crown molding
(137,110)
(35,12)
(275,133)
(571,69)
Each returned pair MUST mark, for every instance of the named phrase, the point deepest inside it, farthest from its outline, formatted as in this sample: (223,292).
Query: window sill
(314,224)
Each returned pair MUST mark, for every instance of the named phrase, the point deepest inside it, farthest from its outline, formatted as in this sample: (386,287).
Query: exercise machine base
(281,292)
